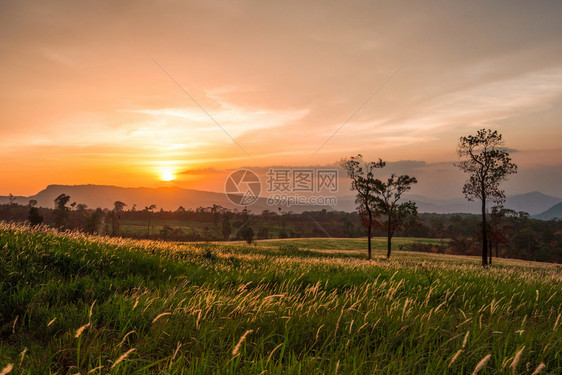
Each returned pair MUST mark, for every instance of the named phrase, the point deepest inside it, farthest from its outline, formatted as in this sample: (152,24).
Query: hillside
(554,212)
(73,303)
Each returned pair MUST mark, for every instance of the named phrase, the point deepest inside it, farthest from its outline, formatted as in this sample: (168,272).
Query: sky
(133,93)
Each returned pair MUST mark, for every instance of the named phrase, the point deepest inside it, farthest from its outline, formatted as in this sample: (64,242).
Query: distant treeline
(511,234)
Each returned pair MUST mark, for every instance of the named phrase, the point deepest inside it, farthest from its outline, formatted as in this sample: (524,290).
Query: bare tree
(488,163)
(364,183)
(149,210)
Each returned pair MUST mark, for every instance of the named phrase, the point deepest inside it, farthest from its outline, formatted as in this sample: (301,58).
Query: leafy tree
(488,163)
(118,207)
(226,227)
(498,228)
(248,235)
(364,183)
(398,215)
(61,210)
(34,217)
(94,220)
(81,207)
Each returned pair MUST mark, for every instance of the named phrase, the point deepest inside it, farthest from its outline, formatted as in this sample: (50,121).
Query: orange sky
(82,101)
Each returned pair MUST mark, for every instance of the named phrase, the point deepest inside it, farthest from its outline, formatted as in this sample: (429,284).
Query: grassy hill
(72,303)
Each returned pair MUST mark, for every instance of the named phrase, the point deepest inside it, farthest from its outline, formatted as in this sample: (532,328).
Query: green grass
(378,243)
(229,308)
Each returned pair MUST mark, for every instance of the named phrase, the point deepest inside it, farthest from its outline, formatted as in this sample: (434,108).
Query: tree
(398,215)
(364,183)
(226,227)
(498,228)
(488,163)
(34,217)
(61,210)
(248,235)
(118,207)
(149,210)
(11,199)
(94,220)
(81,207)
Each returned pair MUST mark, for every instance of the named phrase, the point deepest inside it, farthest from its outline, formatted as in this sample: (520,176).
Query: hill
(554,212)
(168,198)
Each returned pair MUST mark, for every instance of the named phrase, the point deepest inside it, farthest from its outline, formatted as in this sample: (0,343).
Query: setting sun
(167,174)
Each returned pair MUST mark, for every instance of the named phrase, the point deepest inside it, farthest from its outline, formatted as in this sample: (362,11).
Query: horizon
(183,93)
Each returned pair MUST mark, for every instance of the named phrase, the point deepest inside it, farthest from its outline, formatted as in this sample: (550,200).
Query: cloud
(202,171)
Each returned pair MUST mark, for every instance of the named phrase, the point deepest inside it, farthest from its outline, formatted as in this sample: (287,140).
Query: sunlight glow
(167,173)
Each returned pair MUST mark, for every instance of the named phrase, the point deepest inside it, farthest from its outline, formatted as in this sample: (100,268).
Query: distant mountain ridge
(554,212)
(167,198)
(532,203)
(170,198)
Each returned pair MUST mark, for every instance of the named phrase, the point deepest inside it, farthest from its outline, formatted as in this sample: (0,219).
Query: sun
(167,174)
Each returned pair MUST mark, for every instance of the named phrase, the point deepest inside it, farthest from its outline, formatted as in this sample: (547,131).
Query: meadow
(72,303)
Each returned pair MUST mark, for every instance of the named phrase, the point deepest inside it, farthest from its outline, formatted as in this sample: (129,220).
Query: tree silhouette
(248,235)
(34,217)
(149,210)
(385,198)
(498,228)
(94,220)
(61,210)
(226,227)
(488,164)
(364,183)
(12,199)
(118,207)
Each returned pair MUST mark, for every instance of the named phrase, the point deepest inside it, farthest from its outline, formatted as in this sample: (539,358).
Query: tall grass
(74,303)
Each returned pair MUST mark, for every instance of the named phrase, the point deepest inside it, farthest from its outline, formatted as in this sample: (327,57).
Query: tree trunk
(484,233)
(389,238)
(369,235)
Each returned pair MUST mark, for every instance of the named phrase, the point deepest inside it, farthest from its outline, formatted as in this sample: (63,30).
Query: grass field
(344,244)
(72,303)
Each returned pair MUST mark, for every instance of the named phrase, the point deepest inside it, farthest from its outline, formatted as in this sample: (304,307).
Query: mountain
(170,198)
(533,203)
(554,212)
(167,198)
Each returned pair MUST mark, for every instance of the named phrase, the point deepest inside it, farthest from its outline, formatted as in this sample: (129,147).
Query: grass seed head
(7,369)
(123,357)
(242,339)
(481,364)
